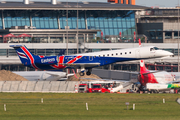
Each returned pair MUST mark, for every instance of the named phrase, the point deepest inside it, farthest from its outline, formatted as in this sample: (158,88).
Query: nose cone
(168,54)
(164,53)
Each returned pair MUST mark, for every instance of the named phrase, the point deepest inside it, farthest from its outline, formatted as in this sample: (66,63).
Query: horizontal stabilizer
(15,46)
(150,72)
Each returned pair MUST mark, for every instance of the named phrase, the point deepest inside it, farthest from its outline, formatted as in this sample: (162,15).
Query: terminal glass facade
(15,18)
(44,19)
(109,22)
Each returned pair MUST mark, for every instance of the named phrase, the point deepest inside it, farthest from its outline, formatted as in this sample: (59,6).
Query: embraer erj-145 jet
(87,60)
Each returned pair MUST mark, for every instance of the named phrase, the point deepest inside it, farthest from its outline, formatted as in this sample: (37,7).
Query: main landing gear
(87,73)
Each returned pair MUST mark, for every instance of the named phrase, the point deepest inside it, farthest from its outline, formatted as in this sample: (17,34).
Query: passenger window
(116,53)
(103,55)
(84,57)
(90,56)
(94,56)
(107,54)
(129,52)
(125,52)
(121,53)
(112,54)
(99,56)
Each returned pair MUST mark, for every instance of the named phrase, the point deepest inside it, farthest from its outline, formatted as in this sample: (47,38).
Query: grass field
(66,106)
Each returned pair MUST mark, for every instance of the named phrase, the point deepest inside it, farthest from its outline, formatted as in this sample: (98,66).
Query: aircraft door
(138,53)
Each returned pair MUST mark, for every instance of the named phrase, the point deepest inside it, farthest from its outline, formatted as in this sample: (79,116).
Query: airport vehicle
(83,88)
(97,88)
(94,88)
(41,75)
(86,61)
(154,80)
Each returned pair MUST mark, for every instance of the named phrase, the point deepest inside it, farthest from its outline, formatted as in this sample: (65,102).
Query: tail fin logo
(22,55)
(30,56)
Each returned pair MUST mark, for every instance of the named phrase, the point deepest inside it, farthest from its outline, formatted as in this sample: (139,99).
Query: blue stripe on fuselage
(89,59)
(103,60)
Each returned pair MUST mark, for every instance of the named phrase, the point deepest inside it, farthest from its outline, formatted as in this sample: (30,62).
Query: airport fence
(39,86)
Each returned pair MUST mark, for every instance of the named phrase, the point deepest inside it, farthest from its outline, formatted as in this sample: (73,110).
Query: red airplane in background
(154,80)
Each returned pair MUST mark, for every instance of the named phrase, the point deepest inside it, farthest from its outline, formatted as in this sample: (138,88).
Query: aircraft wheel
(81,73)
(88,73)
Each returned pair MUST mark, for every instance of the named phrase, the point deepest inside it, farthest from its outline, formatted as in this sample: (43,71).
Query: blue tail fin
(26,57)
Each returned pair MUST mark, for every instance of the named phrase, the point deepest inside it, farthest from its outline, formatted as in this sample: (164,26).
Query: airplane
(41,75)
(87,61)
(154,80)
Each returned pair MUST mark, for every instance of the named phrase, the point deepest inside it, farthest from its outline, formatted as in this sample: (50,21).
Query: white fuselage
(139,52)
(163,77)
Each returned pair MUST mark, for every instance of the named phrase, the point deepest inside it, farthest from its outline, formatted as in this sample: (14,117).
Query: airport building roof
(70,6)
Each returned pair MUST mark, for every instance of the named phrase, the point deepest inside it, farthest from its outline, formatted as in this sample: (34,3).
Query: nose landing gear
(81,73)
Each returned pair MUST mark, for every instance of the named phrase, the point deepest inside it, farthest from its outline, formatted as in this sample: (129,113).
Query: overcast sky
(148,3)
(160,3)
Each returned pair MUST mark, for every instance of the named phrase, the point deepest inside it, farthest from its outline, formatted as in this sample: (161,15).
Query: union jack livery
(86,61)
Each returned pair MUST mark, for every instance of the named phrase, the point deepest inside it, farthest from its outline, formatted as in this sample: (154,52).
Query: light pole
(77,31)
(67,34)
(178,35)
(67,28)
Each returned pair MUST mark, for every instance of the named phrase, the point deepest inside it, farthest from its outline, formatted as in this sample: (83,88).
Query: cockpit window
(156,48)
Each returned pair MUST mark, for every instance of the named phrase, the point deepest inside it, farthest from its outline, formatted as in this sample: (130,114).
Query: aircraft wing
(82,64)
(129,83)
(56,74)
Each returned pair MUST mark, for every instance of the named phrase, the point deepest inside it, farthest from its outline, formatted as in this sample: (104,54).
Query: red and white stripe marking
(60,63)
(74,60)
(30,57)
(22,55)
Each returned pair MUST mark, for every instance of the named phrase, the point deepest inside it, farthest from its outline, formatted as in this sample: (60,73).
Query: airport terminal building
(79,27)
